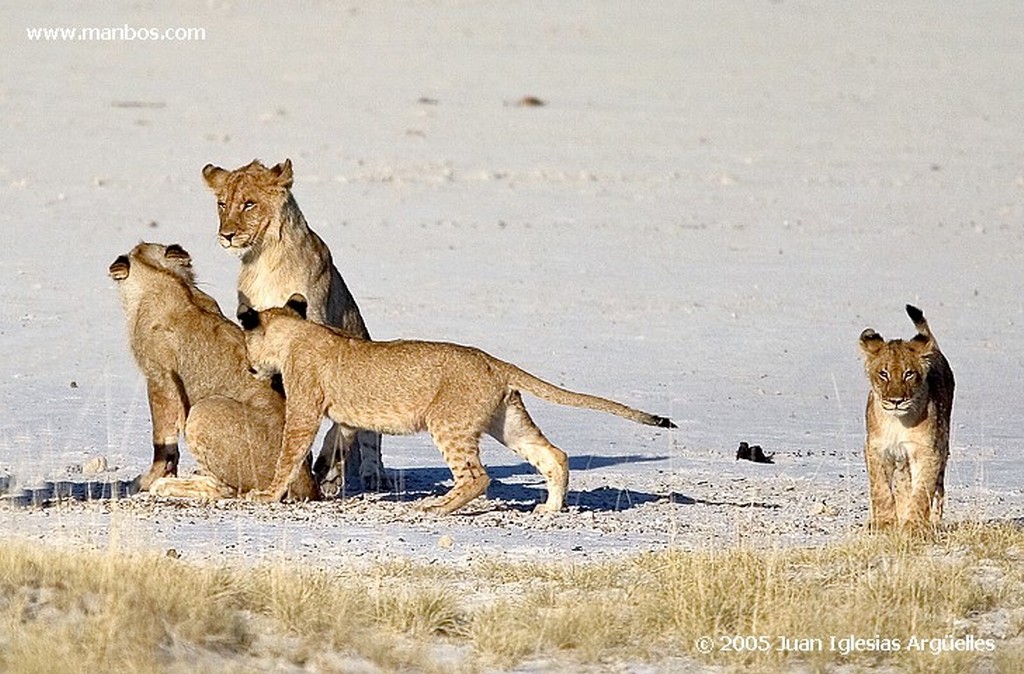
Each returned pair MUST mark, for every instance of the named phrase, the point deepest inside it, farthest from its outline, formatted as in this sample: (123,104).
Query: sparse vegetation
(106,611)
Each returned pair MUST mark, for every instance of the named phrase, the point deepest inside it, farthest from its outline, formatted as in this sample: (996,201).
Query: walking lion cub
(194,362)
(907,416)
(454,392)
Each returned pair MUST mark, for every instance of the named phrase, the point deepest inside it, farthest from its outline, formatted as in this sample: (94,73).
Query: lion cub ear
(118,269)
(248,317)
(297,303)
(870,342)
(283,174)
(178,254)
(214,176)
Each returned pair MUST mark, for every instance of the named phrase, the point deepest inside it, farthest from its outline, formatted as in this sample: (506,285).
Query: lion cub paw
(262,496)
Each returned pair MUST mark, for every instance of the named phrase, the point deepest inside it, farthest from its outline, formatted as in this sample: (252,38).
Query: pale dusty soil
(711,205)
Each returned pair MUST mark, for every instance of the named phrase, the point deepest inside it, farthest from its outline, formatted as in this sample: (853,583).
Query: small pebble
(96,464)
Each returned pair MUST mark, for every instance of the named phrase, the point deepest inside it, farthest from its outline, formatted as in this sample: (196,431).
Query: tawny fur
(907,417)
(194,362)
(281,255)
(456,393)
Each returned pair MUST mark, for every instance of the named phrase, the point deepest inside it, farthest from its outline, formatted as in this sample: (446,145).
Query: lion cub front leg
(926,478)
(301,423)
(883,504)
(167,412)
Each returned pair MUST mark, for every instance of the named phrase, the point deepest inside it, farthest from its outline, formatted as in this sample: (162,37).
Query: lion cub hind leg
(347,464)
(939,499)
(513,427)
(461,451)
(239,445)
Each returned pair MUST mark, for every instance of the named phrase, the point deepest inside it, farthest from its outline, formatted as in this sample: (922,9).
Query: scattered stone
(74,384)
(822,509)
(173,554)
(530,102)
(446,542)
(96,464)
(753,453)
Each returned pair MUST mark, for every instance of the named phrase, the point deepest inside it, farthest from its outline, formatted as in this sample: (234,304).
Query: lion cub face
(897,370)
(249,199)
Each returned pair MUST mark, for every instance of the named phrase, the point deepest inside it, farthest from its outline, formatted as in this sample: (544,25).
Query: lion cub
(907,417)
(194,362)
(456,393)
(281,255)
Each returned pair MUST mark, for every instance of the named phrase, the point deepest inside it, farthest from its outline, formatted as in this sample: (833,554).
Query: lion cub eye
(247,206)
(909,375)
(883,375)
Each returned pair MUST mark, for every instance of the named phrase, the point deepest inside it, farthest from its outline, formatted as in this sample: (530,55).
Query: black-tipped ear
(248,317)
(871,341)
(178,254)
(214,176)
(118,269)
(283,173)
(297,303)
(916,315)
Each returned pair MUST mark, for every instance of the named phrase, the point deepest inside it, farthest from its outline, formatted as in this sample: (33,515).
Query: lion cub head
(172,258)
(267,334)
(898,369)
(249,201)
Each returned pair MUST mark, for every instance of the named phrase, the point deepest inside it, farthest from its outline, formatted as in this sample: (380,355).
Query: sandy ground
(711,205)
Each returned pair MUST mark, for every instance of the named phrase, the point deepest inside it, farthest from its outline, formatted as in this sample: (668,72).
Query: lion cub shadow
(518,487)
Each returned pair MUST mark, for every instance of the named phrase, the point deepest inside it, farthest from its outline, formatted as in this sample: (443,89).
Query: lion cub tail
(521,380)
(917,316)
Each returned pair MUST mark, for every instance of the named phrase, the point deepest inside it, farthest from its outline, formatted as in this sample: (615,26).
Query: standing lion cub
(456,393)
(907,416)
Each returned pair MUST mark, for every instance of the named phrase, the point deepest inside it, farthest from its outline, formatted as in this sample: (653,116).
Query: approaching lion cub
(281,256)
(455,392)
(195,367)
(907,416)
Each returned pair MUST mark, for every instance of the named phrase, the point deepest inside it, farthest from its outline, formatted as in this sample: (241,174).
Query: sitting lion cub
(193,359)
(456,393)
(908,412)
(281,255)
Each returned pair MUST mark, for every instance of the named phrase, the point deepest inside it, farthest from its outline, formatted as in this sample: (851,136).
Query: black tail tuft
(915,314)
(662,422)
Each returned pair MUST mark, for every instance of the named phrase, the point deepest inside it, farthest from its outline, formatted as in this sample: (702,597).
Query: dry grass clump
(114,613)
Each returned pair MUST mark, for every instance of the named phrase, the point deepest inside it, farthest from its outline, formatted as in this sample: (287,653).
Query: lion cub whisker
(456,393)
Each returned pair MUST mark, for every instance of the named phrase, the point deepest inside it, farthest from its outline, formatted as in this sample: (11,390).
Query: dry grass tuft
(117,613)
